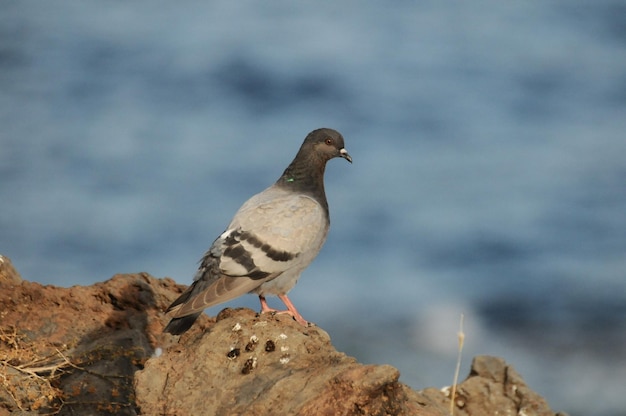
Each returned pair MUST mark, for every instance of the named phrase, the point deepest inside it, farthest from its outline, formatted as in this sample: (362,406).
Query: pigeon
(273,237)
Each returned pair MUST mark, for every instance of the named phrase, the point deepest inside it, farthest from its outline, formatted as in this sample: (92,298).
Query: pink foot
(265,308)
(291,310)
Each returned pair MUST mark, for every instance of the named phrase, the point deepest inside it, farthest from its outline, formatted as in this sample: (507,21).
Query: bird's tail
(179,325)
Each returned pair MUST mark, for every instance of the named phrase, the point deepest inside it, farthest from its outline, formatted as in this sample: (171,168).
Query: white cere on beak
(344,154)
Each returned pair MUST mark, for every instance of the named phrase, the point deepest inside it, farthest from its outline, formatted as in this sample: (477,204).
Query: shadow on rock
(105,359)
(74,351)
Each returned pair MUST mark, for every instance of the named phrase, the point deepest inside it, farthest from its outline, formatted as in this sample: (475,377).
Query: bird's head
(327,144)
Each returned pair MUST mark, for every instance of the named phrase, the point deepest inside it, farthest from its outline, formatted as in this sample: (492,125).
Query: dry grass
(461,338)
(34,375)
(26,376)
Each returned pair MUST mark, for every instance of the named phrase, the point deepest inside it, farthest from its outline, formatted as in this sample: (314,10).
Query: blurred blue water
(489,175)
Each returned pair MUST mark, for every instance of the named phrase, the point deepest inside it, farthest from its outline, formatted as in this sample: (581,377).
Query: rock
(246,364)
(90,350)
(493,387)
(75,350)
(8,274)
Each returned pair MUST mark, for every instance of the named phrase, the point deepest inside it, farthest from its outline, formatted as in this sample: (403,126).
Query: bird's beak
(344,154)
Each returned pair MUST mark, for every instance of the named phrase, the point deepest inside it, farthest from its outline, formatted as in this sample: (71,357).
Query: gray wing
(273,232)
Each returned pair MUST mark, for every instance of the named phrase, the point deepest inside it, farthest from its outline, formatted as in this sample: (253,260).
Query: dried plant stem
(461,337)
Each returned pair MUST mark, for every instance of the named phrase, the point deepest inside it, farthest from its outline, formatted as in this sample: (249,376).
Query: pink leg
(264,307)
(291,310)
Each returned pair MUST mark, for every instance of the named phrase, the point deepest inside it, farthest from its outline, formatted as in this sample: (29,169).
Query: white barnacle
(237,327)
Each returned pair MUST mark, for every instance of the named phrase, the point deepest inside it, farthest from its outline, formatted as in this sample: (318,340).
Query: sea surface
(489,174)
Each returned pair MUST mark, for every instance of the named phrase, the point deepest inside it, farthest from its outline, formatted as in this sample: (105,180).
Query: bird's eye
(329,141)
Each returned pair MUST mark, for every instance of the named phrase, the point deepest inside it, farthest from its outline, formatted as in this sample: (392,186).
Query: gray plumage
(271,239)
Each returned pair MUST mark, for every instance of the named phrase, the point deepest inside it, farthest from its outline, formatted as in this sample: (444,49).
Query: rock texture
(493,387)
(246,364)
(91,351)
(8,274)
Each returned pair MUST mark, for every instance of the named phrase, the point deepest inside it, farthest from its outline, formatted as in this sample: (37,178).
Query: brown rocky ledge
(90,350)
